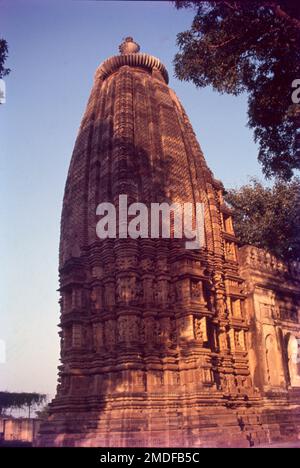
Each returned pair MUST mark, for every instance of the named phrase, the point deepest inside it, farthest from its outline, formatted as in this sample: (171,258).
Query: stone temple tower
(153,335)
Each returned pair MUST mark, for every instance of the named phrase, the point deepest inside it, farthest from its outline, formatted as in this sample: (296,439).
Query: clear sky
(54,50)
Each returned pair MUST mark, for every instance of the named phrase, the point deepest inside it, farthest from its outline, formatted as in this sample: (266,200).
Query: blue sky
(54,50)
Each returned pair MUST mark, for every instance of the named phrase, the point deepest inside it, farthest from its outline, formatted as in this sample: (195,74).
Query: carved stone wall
(273,306)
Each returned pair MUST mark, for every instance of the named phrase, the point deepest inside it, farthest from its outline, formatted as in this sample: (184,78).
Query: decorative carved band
(146,61)
(261,260)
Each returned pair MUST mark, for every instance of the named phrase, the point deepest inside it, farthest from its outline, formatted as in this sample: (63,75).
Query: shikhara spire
(154,337)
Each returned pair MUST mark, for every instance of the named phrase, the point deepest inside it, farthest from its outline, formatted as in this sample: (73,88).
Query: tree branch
(231,6)
(216,46)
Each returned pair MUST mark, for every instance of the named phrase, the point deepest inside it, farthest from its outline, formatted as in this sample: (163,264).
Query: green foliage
(3,56)
(43,413)
(268,217)
(14,400)
(252,46)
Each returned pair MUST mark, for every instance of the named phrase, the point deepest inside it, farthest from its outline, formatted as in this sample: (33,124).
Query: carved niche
(127,289)
(109,294)
(128,328)
(96,298)
(200,330)
(165,331)
(149,331)
(162,292)
(197,293)
(148,290)
(98,336)
(110,334)
(76,335)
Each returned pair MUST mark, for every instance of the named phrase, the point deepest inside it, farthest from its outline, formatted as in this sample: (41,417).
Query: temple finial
(129,46)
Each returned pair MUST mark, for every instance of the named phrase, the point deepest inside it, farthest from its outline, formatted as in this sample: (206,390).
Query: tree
(3,56)
(43,413)
(268,217)
(252,46)
(12,400)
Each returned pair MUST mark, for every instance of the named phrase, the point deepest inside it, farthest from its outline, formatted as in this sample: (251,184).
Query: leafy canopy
(252,46)
(20,400)
(3,56)
(268,217)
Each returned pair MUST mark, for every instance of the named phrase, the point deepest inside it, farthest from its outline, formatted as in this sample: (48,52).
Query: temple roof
(130,56)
